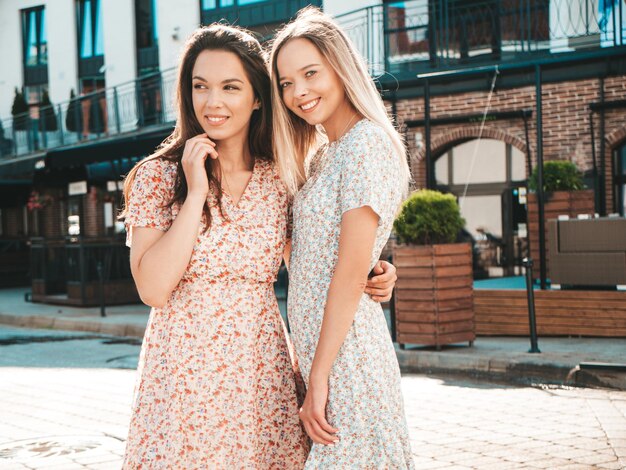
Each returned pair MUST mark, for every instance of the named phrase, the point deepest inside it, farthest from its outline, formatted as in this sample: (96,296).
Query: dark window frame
(231,4)
(96,6)
(42,48)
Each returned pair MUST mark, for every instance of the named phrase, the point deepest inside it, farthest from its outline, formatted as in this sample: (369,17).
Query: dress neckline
(334,143)
(244,194)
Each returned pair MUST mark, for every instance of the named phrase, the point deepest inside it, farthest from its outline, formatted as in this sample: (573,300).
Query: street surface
(65,402)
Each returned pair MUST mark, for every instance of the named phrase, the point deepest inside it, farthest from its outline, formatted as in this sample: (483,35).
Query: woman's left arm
(356,242)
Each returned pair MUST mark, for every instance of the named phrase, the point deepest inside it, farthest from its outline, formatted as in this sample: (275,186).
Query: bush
(429,217)
(47,116)
(19,111)
(558,175)
(74,114)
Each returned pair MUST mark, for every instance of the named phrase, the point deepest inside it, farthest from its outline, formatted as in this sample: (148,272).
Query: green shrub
(19,111)
(429,217)
(558,175)
(47,116)
(74,114)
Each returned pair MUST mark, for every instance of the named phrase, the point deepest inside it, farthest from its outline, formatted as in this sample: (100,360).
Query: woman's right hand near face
(196,151)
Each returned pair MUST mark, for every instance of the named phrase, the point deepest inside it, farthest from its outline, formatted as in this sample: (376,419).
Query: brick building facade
(566,123)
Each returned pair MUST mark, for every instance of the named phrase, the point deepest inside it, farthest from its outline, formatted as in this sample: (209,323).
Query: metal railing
(421,35)
(83,257)
(146,101)
(415,36)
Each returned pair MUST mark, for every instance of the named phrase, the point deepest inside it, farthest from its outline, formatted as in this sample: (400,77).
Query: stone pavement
(68,419)
(502,358)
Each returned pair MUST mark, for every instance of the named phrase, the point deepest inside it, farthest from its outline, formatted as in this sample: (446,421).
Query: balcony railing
(420,35)
(412,36)
(127,108)
(257,13)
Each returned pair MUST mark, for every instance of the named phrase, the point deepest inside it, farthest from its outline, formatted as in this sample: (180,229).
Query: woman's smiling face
(222,95)
(310,87)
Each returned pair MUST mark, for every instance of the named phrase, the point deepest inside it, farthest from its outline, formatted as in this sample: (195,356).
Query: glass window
(99,35)
(86,39)
(213,4)
(90,29)
(34,36)
(481,161)
(145,23)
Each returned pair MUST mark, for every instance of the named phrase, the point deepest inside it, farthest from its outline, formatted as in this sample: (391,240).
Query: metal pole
(429,181)
(596,189)
(392,310)
(540,198)
(60,124)
(116,110)
(530,294)
(602,178)
(100,270)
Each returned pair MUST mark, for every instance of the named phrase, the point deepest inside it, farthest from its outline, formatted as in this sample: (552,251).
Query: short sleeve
(148,199)
(369,173)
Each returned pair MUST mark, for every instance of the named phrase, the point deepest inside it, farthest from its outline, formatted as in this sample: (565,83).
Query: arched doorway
(619,179)
(489,178)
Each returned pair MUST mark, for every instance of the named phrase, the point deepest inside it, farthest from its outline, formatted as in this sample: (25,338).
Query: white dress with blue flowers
(365,401)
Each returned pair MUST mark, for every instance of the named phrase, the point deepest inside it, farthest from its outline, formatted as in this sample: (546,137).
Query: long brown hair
(254,60)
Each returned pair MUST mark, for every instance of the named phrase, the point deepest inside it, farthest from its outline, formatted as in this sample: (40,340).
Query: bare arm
(356,241)
(159,259)
(287,253)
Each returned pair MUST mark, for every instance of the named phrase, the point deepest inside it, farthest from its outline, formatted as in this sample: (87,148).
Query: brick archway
(445,141)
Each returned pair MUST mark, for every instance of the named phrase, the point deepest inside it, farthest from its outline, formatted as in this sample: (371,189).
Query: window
(91,41)
(213,4)
(34,37)
(146,23)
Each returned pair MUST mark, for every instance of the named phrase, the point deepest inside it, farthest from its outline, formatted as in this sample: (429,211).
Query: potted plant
(47,116)
(19,111)
(564,194)
(434,294)
(74,114)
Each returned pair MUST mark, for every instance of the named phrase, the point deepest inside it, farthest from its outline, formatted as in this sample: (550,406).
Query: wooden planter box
(434,294)
(571,203)
(118,292)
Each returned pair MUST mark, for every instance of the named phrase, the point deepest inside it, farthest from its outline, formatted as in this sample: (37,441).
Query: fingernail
(330,445)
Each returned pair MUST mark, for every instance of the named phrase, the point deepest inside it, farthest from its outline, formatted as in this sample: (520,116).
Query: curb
(71,324)
(514,370)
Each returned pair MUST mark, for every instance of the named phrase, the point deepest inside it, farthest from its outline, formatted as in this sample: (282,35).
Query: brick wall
(566,131)
(93,213)
(13,222)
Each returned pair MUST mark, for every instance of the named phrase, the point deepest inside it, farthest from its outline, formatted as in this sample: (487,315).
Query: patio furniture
(588,252)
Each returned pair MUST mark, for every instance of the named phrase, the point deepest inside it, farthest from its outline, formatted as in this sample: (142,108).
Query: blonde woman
(346,195)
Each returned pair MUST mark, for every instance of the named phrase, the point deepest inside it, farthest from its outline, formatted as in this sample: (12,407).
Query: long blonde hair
(294,138)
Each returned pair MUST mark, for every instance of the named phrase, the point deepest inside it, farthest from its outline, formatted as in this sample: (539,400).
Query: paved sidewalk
(496,358)
(77,419)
